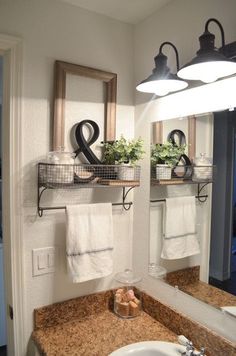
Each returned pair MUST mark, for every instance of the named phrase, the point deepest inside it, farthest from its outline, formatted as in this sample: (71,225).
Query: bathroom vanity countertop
(87,326)
(209,294)
(188,281)
(99,335)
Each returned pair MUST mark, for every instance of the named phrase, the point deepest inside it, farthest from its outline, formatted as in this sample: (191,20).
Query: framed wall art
(83,93)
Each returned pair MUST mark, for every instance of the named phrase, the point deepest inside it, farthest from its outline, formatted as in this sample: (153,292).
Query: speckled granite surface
(183,325)
(86,326)
(99,335)
(209,294)
(73,309)
(183,276)
(188,281)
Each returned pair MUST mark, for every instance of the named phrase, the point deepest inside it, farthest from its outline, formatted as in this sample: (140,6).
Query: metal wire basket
(182,172)
(72,175)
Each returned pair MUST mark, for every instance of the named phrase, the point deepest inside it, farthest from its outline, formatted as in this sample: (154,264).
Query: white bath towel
(179,228)
(89,241)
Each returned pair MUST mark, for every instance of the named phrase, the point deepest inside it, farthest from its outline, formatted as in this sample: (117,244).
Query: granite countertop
(87,326)
(188,281)
(209,294)
(99,334)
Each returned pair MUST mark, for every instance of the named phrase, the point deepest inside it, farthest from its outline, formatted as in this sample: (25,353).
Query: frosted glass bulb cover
(207,72)
(162,86)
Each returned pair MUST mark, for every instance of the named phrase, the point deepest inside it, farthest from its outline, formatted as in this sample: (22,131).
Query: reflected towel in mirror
(179,228)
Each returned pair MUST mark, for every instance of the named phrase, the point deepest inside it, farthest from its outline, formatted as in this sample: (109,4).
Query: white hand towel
(180,237)
(89,241)
(180,217)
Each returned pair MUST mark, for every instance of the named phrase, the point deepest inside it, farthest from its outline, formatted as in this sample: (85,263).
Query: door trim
(11,49)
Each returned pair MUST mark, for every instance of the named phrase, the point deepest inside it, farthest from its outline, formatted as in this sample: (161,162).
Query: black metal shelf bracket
(200,187)
(40,209)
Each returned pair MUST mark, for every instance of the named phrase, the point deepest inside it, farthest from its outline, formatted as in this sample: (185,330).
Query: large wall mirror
(208,274)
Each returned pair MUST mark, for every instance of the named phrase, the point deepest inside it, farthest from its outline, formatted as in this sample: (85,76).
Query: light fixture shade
(208,72)
(209,64)
(160,86)
(161,81)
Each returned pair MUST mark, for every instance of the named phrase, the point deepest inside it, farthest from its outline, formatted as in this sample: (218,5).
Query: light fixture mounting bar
(220,27)
(175,49)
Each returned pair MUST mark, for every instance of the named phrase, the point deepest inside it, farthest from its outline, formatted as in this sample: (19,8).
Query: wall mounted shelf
(179,181)
(78,176)
(200,186)
(184,175)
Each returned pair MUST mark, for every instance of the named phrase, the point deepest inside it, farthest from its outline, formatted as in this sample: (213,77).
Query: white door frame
(11,49)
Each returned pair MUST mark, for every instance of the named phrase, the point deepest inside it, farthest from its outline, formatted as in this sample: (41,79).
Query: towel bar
(41,210)
(197,197)
(126,205)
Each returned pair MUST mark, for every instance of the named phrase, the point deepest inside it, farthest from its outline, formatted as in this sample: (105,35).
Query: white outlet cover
(44,260)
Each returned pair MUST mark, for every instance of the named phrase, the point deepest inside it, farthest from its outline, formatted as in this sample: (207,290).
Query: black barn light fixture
(162,81)
(210,63)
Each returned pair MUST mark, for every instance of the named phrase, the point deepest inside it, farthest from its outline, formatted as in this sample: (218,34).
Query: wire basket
(202,173)
(72,175)
(183,172)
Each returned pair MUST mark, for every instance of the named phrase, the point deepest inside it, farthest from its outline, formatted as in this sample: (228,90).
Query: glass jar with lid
(61,157)
(156,271)
(203,169)
(127,298)
(61,167)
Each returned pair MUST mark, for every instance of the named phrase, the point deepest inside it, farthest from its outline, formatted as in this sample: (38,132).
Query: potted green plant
(164,157)
(125,153)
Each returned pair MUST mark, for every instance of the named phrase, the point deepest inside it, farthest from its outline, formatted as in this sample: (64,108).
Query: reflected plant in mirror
(164,157)
(192,243)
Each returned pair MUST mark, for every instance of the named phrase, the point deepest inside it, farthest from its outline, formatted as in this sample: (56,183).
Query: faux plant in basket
(126,154)
(164,157)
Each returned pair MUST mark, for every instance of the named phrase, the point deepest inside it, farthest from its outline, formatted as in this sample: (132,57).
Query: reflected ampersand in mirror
(192,222)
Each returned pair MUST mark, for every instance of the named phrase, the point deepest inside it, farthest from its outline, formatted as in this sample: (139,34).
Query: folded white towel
(89,241)
(180,217)
(180,237)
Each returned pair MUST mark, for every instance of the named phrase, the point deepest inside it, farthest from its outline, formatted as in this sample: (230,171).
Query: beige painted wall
(53,30)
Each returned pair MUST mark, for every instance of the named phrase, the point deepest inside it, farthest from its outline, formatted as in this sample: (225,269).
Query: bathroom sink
(150,348)
(231,310)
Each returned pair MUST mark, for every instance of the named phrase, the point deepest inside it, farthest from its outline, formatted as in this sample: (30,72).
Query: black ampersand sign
(186,163)
(181,137)
(83,144)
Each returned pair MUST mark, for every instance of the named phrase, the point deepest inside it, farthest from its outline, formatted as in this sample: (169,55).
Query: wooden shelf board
(177,181)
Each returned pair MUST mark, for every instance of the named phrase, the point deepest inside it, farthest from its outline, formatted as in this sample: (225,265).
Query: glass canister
(127,299)
(203,169)
(156,271)
(61,169)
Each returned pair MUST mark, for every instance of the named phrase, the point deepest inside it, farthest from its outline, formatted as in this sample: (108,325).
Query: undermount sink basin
(150,348)
(231,310)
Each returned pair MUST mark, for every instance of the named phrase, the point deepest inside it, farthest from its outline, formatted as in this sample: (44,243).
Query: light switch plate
(44,260)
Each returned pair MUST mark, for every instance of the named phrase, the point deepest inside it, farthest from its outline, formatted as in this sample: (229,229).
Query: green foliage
(166,153)
(123,151)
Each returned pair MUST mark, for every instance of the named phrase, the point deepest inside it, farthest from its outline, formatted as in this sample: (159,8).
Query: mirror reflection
(193,210)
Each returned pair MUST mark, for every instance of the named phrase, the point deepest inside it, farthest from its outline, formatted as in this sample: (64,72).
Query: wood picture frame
(61,70)
(157,135)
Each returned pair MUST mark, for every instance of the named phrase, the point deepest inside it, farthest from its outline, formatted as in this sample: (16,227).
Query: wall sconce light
(162,81)
(210,63)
